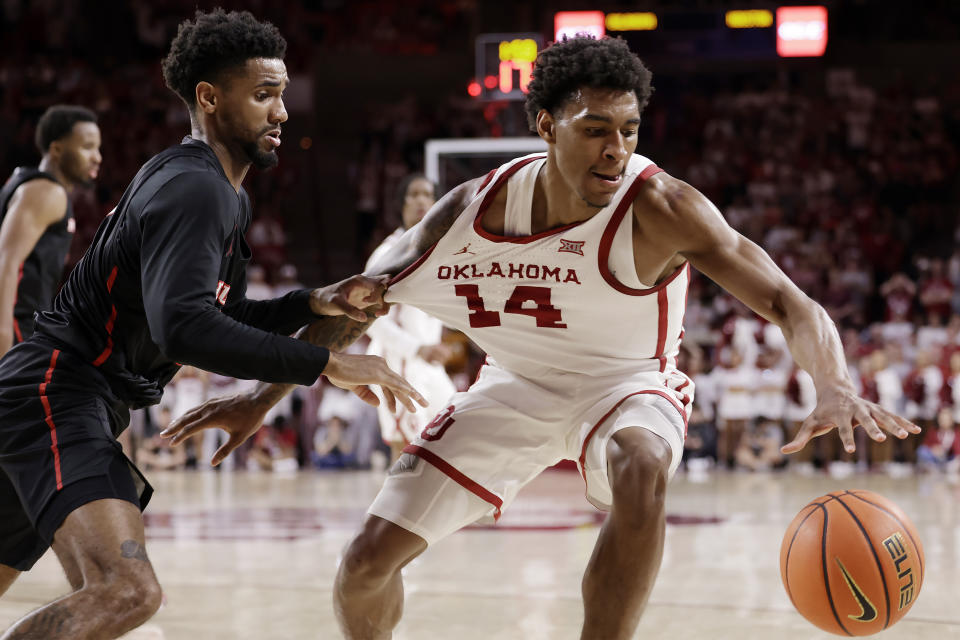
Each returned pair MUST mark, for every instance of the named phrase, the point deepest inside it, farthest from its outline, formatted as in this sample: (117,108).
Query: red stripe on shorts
(586,441)
(16,292)
(456,476)
(46,409)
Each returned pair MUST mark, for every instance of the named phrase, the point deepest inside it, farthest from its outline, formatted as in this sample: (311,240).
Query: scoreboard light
(749,19)
(637,21)
(570,23)
(504,64)
(801,31)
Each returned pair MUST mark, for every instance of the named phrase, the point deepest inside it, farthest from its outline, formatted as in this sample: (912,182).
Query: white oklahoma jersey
(577,349)
(398,337)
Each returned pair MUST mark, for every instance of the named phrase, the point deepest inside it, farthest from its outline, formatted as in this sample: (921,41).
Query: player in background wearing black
(36,217)
(162,285)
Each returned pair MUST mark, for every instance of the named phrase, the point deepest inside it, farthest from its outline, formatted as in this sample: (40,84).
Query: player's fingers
(796,444)
(226,449)
(846,437)
(364,393)
(809,429)
(865,420)
(389,398)
(187,429)
(375,288)
(349,310)
(406,400)
(892,423)
(804,433)
(907,425)
(180,423)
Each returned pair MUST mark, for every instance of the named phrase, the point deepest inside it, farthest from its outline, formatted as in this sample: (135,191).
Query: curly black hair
(57,122)
(213,43)
(583,61)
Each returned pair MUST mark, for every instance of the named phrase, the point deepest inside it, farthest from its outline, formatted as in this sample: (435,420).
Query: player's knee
(133,596)
(367,563)
(639,465)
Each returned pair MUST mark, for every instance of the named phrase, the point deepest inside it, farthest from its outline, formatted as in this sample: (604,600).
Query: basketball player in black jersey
(36,218)
(162,285)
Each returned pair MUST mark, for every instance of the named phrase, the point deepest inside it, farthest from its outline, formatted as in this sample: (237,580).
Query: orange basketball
(852,562)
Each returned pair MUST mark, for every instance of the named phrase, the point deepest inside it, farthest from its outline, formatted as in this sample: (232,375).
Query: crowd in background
(850,185)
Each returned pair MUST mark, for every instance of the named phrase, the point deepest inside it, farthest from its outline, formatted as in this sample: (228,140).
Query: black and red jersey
(163,285)
(42,270)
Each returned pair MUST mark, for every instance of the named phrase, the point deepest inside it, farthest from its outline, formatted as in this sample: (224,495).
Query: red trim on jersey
(413,267)
(456,476)
(487,180)
(16,326)
(663,309)
(586,441)
(111,279)
(488,200)
(49,418)
(110,322)
(606,241)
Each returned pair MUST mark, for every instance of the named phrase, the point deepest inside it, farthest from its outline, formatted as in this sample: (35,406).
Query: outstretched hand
(357,372)
(238,415)
(843,410)
(352,297)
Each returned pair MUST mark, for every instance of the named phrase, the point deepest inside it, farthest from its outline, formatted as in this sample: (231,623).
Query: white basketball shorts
(470,462)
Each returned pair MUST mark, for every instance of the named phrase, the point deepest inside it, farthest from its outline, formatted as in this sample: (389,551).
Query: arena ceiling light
(801,31)
(570,23)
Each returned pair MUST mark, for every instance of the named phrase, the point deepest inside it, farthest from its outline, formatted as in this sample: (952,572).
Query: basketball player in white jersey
(570,269)
(407,338)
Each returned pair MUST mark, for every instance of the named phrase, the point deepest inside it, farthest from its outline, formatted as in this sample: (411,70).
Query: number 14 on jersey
(542,310)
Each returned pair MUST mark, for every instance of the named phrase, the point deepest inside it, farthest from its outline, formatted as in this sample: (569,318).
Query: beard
(75,170)
(258,157)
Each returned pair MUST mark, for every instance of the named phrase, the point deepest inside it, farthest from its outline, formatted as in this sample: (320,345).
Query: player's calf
(368,594)
(7,576)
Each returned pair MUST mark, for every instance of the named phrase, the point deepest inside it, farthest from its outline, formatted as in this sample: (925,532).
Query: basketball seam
(906,530)
(786,563)
(823,564)
(883,578)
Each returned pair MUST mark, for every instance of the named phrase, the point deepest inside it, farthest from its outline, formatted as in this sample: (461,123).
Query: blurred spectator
(155,453)
(735,381)
(276,448)
(268,241)
(759,449)
(941,446)
(286,281)
(332,448)
(936,293)
(257,287)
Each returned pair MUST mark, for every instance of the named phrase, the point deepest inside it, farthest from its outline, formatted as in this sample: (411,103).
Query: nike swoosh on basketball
(868,612)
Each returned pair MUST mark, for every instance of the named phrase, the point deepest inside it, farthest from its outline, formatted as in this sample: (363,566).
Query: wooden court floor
(247,556)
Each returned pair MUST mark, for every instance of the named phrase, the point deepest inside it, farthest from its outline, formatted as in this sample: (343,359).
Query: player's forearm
(334,332)
(815,344)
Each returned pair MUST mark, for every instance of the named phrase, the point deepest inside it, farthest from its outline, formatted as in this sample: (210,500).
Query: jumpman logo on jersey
(465,250)
(571,246)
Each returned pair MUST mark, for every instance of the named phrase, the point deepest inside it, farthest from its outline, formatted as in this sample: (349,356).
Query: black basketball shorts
(57,447)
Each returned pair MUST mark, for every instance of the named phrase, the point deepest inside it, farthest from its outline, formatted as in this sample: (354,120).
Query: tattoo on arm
(133,549)
(41,624)
(333,332)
